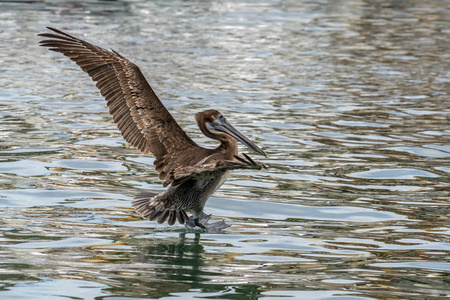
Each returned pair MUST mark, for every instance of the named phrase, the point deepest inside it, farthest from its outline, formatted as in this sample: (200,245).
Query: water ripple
(349,99)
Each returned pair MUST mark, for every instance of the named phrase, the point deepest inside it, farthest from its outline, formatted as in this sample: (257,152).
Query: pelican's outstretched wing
(140,116)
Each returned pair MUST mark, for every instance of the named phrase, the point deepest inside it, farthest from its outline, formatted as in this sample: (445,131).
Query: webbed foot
(202,222)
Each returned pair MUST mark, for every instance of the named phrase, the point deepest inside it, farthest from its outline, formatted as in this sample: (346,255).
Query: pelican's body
(193,172)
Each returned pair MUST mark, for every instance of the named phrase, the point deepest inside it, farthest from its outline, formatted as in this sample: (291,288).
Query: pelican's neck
(229,146)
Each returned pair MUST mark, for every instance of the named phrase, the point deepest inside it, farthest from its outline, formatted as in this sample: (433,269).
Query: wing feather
(140,116)
(181,174)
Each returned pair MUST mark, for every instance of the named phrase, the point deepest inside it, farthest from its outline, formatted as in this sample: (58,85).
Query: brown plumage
(193,172)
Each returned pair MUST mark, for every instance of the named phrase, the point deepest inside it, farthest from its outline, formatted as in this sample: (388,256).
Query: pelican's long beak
(222,125)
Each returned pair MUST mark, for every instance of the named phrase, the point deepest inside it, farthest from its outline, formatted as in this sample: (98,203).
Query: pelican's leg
(197,223)
(202,222)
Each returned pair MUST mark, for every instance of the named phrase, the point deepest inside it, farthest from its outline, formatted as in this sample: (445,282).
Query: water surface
(350,99)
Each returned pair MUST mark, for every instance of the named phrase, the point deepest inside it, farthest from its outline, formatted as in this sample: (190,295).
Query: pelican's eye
(217,126)
(213,127)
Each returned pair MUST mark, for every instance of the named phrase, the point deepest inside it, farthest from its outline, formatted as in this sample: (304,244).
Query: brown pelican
(193,172)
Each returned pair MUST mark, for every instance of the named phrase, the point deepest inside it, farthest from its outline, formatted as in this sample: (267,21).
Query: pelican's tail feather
(154,208)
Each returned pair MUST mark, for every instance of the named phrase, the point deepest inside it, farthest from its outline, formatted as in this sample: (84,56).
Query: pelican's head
(214,125)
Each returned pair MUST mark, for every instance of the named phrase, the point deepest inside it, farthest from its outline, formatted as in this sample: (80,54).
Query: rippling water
(350,99)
